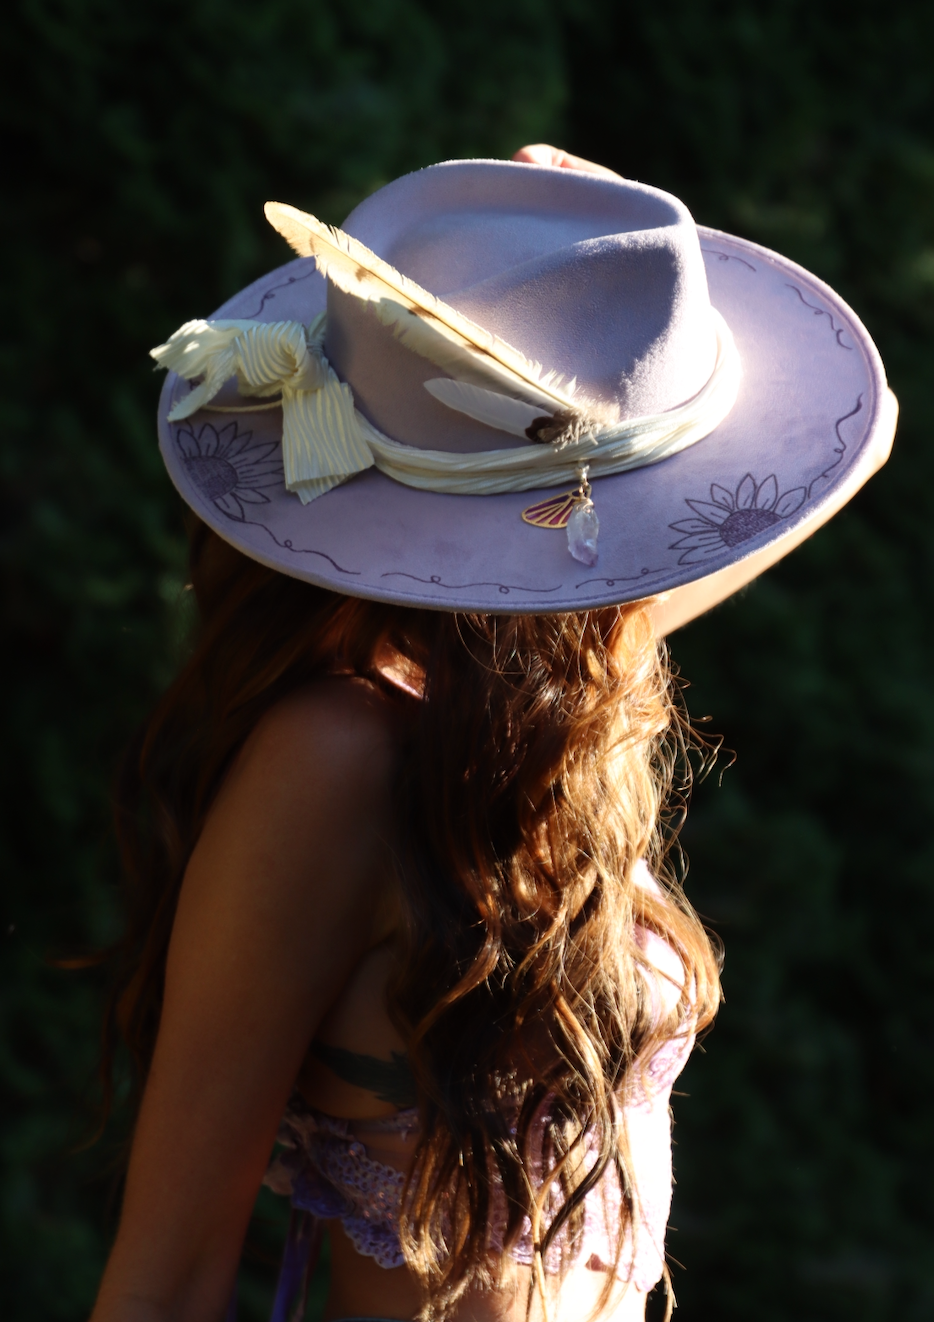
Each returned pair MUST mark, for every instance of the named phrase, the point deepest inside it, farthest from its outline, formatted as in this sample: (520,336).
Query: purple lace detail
(326,1171)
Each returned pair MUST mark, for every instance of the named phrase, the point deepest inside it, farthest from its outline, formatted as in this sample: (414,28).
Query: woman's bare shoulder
(336,712)
(304,817)
(337,738)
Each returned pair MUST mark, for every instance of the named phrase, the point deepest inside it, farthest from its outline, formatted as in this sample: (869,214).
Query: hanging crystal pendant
(583,525)
(583,529)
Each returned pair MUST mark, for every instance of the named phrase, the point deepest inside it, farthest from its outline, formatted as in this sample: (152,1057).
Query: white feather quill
(425,324)
(487,406)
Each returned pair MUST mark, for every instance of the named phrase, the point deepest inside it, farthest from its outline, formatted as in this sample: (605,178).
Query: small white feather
(486,406)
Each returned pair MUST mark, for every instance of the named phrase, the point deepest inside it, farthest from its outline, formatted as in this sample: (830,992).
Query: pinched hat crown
(601,282)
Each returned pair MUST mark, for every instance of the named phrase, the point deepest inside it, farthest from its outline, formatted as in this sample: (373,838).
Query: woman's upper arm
(277,905)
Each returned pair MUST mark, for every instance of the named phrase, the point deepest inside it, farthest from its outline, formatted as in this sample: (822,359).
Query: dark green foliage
(141,142)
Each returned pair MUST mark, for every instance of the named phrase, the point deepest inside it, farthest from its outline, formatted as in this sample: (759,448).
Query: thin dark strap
(299,1259)
(231,1314)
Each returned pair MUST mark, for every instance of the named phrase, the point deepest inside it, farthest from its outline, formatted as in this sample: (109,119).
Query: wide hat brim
(812,418)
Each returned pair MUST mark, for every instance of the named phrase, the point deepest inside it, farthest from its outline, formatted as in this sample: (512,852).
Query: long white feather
(425,324)
(486,406)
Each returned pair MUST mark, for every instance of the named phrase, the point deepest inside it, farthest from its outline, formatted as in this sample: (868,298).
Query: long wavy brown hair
(539,768)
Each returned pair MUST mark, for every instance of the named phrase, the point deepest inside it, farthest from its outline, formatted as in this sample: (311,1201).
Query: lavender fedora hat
(510,387)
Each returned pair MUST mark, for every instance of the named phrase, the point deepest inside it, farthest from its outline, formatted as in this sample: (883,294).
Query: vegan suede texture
(608,282)
(600,282)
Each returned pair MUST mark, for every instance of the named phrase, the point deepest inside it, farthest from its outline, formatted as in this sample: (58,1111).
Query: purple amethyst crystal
(583,528)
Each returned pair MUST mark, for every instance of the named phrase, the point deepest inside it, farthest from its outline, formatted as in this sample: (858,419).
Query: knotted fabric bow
(322,443)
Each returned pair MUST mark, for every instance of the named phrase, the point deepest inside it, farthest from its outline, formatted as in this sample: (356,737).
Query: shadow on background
(144,141)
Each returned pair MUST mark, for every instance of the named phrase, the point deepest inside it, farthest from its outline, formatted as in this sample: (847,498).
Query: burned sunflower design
(228,468)
(732,517)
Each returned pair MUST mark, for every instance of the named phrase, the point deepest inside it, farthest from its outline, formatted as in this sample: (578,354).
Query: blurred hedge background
(140,144)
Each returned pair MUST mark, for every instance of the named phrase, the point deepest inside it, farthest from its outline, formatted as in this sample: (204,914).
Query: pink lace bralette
(327,1173)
